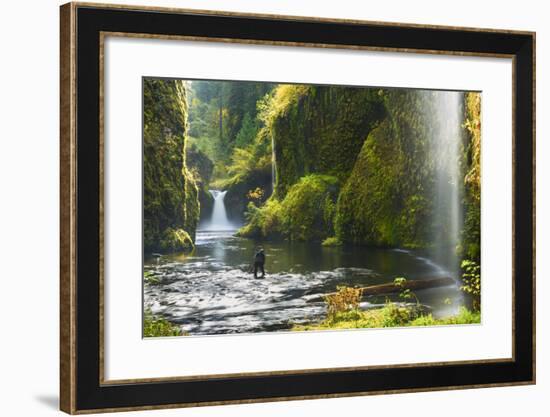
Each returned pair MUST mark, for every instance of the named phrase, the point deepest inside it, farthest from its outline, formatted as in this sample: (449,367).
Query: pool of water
(213,291)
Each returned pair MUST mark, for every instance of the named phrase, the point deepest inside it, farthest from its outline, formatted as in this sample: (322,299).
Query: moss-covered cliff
(201,168)
(306,213)
(317,133)
(319,129)
(387,200)
(471,234)
(171,205)
(388,152)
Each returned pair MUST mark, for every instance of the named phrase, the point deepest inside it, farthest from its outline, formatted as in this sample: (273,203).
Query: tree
(248,132)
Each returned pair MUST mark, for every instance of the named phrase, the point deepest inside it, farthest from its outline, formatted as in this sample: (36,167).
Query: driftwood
(383,289)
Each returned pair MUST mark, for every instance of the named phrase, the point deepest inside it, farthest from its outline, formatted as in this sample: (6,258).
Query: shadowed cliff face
(321,130)
(201,168)
(389,197)
(170,194)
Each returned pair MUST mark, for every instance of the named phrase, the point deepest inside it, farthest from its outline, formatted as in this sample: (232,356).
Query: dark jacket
(259,257)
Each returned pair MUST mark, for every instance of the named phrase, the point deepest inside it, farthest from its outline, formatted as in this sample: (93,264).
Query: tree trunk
(391,288)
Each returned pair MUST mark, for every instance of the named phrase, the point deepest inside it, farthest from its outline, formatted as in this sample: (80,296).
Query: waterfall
(447,137)
(219,220)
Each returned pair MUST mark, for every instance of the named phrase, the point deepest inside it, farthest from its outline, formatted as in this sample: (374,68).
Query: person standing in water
(259,261)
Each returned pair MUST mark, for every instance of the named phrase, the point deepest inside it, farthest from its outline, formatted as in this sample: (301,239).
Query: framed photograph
(264,208)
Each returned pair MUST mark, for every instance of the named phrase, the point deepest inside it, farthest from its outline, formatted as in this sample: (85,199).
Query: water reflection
(212,291)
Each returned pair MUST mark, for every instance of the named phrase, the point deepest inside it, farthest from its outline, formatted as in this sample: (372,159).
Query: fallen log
(391,288)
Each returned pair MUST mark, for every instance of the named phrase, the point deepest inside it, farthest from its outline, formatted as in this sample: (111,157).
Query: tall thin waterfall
(447,123)
(219,220)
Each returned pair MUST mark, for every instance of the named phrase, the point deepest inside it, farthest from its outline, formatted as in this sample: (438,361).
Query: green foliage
(387,200)
(380,145)
(305,207)
(223,115)
(242,98)
(345,299)
(394,315)
(267,221)
(304,214)
(400,281)
(391,315)
(170,192)
(405,294)
(471,281)
(471,234)
(245,161)
(473,126)
(464,316)
(248,132)
(176,240)
(249,170)
(383,146)
(206,117)
(277,104)
(343,312)
(154,326)
(150,278)
(318,130)
(332,241)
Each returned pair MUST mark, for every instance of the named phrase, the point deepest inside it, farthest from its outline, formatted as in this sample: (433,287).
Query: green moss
(308,207)
(150,278)
(154,326)
(471,235)
(384,148)
(305,213)
(391,315)
(332,241)
(319,130)
(379,145)
(250,169)
(176,240)
(169,189)
(266,222)
(464,316)
(388,198)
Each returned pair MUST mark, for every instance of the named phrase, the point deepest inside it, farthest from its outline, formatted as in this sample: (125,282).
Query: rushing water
(219,220)
(212,291)
(447,137)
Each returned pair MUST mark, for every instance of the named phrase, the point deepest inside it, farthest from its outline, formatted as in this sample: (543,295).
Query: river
(212,291)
